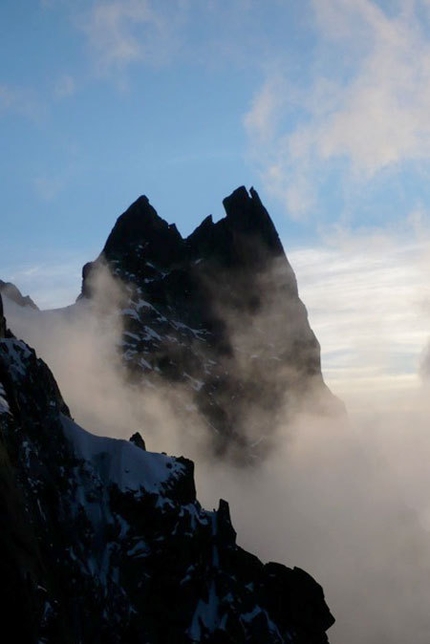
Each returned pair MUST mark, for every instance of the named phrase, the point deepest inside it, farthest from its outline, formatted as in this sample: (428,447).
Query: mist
(80,344)
(344,499)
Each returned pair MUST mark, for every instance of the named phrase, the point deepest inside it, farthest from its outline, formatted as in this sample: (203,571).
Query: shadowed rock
(137,440)
(13,293)
(219,313)
(2,319)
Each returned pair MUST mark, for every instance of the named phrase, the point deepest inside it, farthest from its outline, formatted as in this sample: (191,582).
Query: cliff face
(104,542)
(218,313)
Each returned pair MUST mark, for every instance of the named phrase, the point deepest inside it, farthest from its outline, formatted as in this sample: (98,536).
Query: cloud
(210,35)
(8,97)
(368,299)
(425,363)
(48,188)
(381,117)
(365,109)
(121,32)
(65,86)
(337,508)
(22,101)
(261,120)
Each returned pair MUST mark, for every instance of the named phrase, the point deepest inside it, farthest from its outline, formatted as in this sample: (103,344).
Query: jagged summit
(218,313)
(142,232)
(246,236)
(246,213)
(139,229)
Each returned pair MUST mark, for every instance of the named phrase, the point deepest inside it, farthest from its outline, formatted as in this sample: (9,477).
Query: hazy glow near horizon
(322,105)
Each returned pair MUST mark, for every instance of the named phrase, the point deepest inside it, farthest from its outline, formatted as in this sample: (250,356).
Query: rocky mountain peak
(241,237)
(217,313)
(246,213)
(141,232)
(246,237)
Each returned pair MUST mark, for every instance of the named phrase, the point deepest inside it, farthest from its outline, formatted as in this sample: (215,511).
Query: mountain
(207,338)
(9,290)
(104,542)
(217,315)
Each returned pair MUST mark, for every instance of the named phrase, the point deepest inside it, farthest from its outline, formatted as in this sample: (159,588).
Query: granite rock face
(218,313)
(105,542)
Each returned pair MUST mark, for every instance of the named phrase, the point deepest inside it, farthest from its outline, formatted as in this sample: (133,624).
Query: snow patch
(206,614)
(196,384)
(150,333)
(18,353)
(4,405)
(121,462)
(140,549)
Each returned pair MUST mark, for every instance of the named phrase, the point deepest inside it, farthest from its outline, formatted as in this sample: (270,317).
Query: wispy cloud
(381,116)
(24,101)
(264,118)
(65,86)
(366,107)
(368,299)
(121,32)
(48,188)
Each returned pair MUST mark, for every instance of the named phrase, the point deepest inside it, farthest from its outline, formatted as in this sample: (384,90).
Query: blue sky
(322,105)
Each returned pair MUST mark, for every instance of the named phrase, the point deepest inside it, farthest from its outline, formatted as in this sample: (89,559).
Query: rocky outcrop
(105,542)
(218,313)
(13,293)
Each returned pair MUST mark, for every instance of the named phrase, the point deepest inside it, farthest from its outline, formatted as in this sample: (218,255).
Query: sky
(321,105)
